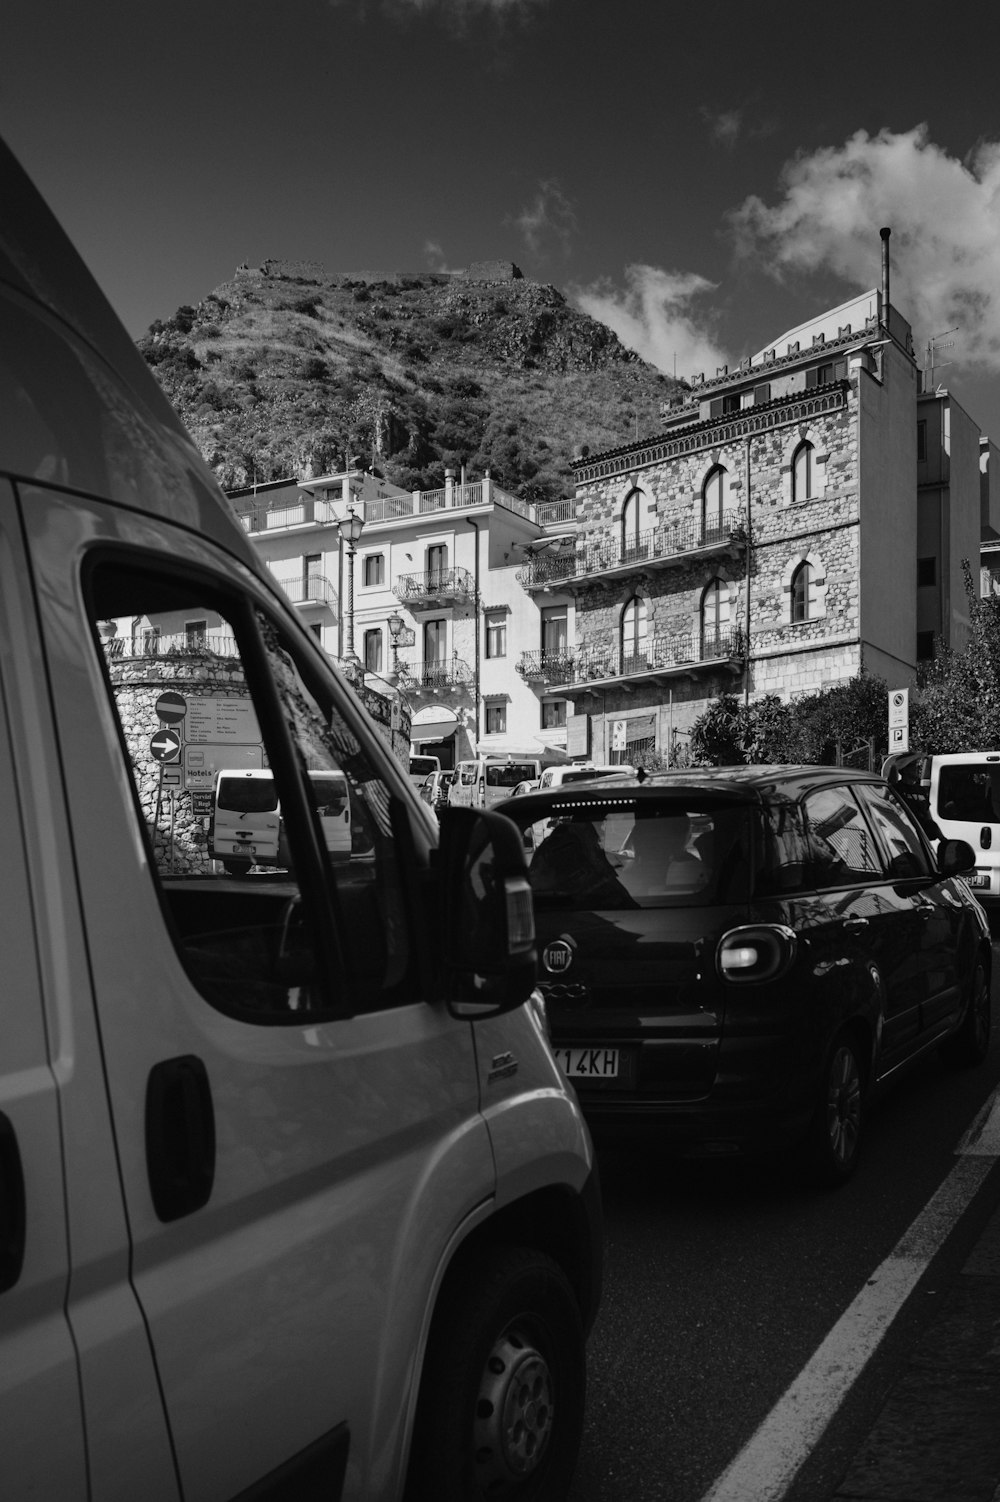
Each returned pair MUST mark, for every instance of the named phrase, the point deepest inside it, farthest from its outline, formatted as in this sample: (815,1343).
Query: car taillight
(755,953)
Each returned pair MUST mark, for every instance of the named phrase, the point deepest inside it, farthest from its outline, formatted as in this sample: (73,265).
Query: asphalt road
(723,1279)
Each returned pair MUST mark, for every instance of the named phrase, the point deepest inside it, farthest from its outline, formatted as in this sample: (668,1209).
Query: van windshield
(509,773)
(247,795)
(421,766)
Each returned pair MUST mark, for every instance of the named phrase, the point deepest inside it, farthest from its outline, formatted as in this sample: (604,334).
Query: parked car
(434,790)
(956,795)
(744,956)
(294,1200)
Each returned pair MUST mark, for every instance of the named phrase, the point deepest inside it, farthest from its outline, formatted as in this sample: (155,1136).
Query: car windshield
(625,852)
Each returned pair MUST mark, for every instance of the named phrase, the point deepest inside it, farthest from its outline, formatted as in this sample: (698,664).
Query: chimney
(885,233)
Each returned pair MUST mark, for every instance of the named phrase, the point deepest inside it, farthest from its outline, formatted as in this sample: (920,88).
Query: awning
(434,723)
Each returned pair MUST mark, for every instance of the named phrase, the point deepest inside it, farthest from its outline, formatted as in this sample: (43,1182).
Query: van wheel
(236,868)
(833,1139)
(971,1043)
(501,1402)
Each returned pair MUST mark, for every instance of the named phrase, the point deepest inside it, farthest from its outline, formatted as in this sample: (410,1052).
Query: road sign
(618,732)
(165,745)
(899,707)
(171,707)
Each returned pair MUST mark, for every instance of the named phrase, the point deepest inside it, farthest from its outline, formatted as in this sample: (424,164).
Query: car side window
(841,846)
(784,863)
(905,848)
(233,750)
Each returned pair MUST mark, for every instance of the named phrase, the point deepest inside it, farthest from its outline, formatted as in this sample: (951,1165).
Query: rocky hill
(290,370)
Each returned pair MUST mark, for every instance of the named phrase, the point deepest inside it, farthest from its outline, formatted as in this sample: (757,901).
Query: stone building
(776,537)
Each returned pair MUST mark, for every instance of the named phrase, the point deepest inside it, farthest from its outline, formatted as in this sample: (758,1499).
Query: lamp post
(395,624)
(350,527)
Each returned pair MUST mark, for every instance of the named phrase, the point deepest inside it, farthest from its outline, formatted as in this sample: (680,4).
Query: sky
(701,178)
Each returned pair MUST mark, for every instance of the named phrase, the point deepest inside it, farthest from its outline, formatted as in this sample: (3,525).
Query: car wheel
(236,868)
(834,1137)
(501,1401)
(970,1044)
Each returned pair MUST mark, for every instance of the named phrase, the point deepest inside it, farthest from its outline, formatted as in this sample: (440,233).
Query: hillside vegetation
(289,370)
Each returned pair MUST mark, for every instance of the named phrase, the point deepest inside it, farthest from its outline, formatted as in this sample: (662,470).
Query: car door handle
(853,923)
(180,1136)
(12,1207)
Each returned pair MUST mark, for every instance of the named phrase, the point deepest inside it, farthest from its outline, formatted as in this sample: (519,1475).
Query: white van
(294,1199)
(581,771)
(490,779)
(421,768)
(960,793)
(247,829)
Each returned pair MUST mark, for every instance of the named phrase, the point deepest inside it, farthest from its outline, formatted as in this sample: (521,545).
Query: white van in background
(959,793)
(964,800)
(421,768)
(247,828)
(490,779)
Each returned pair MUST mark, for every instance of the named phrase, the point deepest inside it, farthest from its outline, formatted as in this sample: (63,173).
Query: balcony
(450,497)
(432,678)
(673,656)
(275,516)
(436,587)
(546,667)
(668,546)
(676,655)
(315,589)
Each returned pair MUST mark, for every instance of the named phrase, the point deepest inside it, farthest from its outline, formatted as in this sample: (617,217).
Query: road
(723,1280)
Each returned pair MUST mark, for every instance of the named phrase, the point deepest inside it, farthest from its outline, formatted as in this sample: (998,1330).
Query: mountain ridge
(290,370)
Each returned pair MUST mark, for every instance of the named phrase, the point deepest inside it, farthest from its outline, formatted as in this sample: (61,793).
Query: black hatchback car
(744,955)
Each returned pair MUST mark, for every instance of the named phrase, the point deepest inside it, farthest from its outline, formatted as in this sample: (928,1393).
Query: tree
(843,724)
(957,706)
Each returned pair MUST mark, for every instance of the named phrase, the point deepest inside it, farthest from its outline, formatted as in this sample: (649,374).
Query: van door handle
(855,922)
(180,1136)
(13,1217)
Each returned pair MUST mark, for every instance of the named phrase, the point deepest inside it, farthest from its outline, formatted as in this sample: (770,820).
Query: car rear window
(638,853)
(247,795)
(510,774)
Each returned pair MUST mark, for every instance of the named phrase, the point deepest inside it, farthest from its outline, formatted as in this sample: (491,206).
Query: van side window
(267,823)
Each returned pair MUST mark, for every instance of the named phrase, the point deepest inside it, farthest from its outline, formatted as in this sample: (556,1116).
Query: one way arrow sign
(165,745)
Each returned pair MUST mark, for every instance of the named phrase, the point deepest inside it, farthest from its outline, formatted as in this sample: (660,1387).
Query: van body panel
(347,1090)
(83,1351)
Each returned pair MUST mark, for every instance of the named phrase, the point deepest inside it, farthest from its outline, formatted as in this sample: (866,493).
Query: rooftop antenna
(933,345)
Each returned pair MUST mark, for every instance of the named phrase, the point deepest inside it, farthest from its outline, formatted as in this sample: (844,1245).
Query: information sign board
(202,761)
(214,720)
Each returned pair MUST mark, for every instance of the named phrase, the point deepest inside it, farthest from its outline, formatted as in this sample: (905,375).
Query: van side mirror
(954,857)
(489,956)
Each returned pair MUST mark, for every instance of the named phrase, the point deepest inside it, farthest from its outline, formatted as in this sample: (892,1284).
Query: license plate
(588,1063)
(980,879)
(244,850)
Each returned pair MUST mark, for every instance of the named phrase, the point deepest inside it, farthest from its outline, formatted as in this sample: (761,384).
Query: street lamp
(395,624)
(350,527)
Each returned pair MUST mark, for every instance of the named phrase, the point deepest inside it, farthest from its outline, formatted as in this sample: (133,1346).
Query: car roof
(741,782)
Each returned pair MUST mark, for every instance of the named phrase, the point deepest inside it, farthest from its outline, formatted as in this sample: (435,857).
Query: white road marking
(766,1466)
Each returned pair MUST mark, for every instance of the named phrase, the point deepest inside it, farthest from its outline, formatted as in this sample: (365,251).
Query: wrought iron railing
(452,672)
(669,540)
(546,667)
(177,644)
(435,584)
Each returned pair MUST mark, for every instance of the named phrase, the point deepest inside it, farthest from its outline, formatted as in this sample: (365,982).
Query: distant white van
(247,828)
(581,771)
(490,779)
(960,792)
(421,768)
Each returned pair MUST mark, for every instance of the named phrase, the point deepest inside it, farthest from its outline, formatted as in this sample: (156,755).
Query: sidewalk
(937,1438)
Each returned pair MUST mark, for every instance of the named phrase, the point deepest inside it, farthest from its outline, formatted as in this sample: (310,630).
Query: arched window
(631,525)
(714,495)
(715,618)
(803,473)
(633,642)
(803,593)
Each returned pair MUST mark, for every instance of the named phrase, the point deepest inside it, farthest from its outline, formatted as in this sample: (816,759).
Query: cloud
(654,316)
(945,219)
(725,127)
(434,253)
(549,217)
